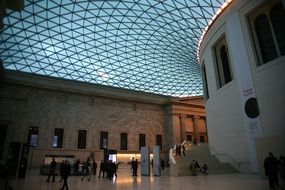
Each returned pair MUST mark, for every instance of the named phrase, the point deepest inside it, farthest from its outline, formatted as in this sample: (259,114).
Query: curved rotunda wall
(240,131)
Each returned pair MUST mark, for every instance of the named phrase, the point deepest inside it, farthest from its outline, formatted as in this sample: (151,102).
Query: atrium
(117,80)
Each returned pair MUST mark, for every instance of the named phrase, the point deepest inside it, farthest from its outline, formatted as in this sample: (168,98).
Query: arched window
(265,38)
(268,31)
(223,63)
(205,83)
(277,15)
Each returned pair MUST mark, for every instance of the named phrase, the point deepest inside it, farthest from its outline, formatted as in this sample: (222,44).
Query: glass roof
(143,45)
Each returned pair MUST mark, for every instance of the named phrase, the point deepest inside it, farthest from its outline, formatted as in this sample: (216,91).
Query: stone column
(195,120)
(182,127)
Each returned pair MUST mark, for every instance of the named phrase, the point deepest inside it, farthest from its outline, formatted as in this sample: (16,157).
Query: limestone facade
(32,101)
(188,120)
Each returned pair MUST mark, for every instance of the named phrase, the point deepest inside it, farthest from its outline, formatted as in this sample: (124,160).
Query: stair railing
(228,158)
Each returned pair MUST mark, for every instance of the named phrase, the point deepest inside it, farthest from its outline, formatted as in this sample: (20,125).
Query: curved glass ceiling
(145,45)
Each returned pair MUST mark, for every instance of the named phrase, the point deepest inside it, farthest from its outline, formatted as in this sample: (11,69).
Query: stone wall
(23,106)
(33,101)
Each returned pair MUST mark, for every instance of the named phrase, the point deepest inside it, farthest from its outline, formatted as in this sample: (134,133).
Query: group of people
(90,166)
(273,167)
(134,167)
(178,148)
(109,168)
(195,168)
(65,169)
(64,172)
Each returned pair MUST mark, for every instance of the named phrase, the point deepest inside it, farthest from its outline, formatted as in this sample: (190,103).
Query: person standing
(282,171)
(65,174)
(134,165)
(94,167)
(52,168)
(4,174)
(271,170)
(76,167)
(178,150)
(193,168)
(162,163)
(183,149)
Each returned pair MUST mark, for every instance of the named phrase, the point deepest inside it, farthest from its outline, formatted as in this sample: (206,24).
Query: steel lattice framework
(144,45)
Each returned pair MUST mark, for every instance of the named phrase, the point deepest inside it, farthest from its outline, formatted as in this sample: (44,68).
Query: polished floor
(125,181)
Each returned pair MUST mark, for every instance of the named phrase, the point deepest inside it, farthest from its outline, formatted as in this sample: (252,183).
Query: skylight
(145,45)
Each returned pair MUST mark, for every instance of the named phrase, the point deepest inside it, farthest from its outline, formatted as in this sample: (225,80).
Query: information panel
(145,168)
(156,161)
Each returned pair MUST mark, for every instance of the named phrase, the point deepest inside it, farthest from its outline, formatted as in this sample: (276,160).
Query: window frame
(78,136)
(219,64)
(142,136)
(265,8)
(104,133)
(122,146)
(204,80)
(157,137)
(30,133)
(58,145)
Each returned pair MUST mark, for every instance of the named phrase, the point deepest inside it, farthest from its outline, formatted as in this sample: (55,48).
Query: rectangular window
(159,141)
(223,65)
(189,137)
(202,139)
(32,140)
(58,138)
(81,141)
(124,141)
(141,140)
(103,140)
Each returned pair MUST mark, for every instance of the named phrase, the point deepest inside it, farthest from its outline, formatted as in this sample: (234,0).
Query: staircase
(202,154)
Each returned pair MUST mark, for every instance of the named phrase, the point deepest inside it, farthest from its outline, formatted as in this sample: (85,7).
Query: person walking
(52,168)
(65,174)
(116,166)
(88,169)
(271,170)
(61,170)
(102,169)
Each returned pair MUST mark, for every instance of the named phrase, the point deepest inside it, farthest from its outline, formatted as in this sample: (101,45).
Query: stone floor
(125,181)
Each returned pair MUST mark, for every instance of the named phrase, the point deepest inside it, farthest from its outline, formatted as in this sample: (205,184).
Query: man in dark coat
(134,165)
(271,170)
(65,174)
(52,168)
